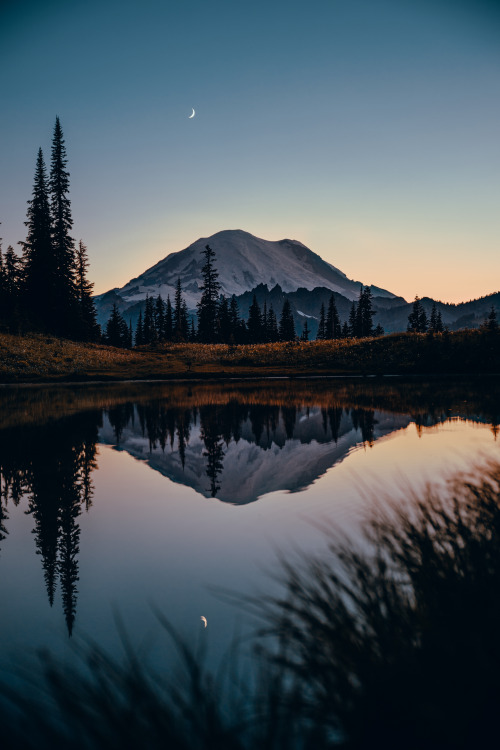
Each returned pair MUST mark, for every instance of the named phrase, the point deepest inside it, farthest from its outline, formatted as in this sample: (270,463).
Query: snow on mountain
(243,261)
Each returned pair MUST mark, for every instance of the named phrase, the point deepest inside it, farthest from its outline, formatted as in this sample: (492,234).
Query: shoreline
(43,360)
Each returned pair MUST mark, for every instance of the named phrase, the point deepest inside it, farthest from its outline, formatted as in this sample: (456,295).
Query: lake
(122,499)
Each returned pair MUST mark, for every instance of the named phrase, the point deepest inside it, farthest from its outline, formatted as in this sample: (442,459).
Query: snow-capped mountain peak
(243,261)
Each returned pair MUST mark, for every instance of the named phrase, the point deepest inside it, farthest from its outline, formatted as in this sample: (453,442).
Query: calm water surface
(119,499)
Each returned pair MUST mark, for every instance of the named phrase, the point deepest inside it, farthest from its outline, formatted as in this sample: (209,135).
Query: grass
(38,358)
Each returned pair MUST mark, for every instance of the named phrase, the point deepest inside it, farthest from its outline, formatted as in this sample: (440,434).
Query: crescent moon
(191,116)
(204,620)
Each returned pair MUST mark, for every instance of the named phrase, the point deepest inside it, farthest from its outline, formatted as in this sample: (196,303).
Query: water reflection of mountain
(257,450)
(235,442)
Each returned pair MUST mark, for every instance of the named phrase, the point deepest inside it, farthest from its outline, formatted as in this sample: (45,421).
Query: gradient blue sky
(367,129)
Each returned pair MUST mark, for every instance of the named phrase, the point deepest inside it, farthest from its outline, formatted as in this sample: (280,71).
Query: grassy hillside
(42,359)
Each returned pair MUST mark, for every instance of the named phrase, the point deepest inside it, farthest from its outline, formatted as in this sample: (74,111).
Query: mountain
(243,262)
(274,271)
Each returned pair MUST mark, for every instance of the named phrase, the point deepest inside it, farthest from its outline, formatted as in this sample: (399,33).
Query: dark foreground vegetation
(386,640)
(43,358)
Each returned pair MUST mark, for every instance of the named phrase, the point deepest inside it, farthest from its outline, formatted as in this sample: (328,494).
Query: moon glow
(191,116)
(204,620)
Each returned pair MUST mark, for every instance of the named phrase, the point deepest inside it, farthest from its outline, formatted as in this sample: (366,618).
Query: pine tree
(4,302)
(359,314)
(287,325)
(192,332)
(265,332)
(366,305)
(353,316)
(234,321)
(116,329)
(223,321)
(184,321)
(322,323)
(62,242)
(417,319)
(305,332)
(433,319)
(168,324)
(10,283)
(422,320)
(254,322)
(345,330)
(272,325)
(207,307)
(139,331)
(149,328)
(491,320)
(332,323)
(89,328)
(379,331)
(160,318)
(178,317)
(40,290)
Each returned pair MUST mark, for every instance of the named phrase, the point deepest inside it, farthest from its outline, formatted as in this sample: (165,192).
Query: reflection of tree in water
(52,464)
(364,420)
(119,417)
(332,417)
(211,434)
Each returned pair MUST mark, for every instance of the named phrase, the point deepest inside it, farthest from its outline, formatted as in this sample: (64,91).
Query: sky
(366,129)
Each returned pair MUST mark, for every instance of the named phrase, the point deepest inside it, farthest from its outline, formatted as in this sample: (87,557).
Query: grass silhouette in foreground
(389,640)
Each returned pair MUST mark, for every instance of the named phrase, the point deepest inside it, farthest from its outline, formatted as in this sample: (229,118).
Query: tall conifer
(89,328)
(40,292)
(62,223)
(287,325)
(208,305)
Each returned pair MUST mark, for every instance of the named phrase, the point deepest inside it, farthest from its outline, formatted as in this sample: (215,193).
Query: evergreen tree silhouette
(254,322)
(353,320)
(491,320)
(417,319)
(139,331)
(40,290)
(62,242)
(224,328)
(89,328)
(168,325)
(332,322)
(322,323)
(207,307)
(305,332)
(272,325)
(366,306)
(287,325)
(159,317)
(234,320)
(214,447)
(117,333)
(149,328)
(180,321)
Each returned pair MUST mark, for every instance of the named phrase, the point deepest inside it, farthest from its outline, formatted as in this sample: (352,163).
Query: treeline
(418,322)
(219,319)
(46,288)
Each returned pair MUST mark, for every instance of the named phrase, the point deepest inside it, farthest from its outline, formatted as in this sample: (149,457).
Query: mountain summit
(243,262)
